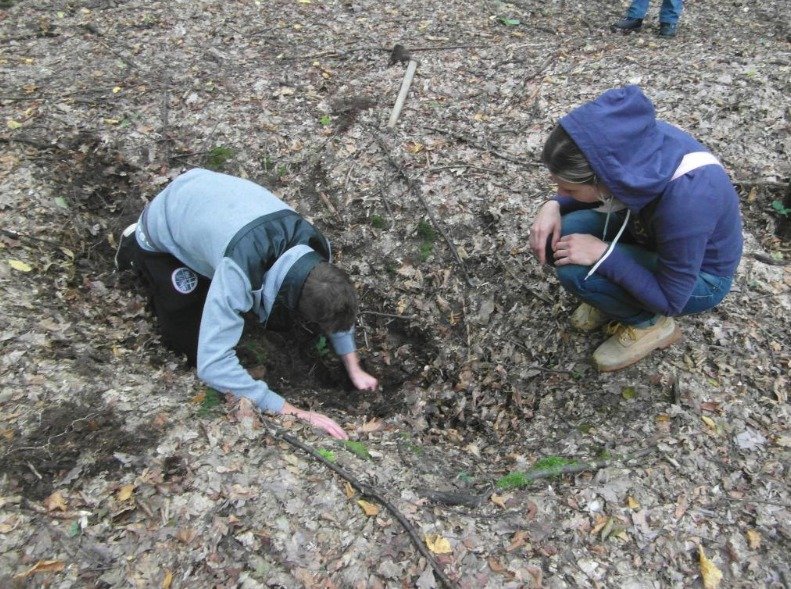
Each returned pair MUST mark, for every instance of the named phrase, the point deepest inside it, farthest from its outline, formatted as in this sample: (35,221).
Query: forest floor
(119,469)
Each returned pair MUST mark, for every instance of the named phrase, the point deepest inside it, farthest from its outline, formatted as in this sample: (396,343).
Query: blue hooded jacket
(692,222)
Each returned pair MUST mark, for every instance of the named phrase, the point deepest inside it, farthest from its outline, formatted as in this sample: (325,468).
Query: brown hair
(328,298)
(565,160)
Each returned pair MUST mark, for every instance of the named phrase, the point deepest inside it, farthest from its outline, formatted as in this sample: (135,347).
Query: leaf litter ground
(118,472)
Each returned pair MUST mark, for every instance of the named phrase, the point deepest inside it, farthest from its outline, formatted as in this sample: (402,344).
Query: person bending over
(211,247)
(645,225)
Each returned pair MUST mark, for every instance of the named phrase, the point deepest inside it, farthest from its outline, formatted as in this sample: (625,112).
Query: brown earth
(118,469)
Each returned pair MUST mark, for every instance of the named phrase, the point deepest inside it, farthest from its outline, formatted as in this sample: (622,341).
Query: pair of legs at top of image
(669,14)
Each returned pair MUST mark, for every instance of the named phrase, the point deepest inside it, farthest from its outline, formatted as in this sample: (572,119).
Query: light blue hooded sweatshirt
(256,250)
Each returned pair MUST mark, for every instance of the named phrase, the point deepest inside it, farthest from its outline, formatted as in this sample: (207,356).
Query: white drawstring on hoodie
(691,161)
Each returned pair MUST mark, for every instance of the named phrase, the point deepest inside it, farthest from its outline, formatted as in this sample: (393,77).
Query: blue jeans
(612,299)
(669,13)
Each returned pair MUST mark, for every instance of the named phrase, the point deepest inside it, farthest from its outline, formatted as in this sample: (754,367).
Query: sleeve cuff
(269,401)
(343,342)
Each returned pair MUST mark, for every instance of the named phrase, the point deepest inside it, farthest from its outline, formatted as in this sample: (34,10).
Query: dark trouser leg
(177,295)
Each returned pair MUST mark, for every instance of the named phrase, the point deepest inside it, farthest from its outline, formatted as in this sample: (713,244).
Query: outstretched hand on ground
(318,420)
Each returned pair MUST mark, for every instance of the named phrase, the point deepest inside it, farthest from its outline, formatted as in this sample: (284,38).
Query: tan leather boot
(630,344)
(587,318)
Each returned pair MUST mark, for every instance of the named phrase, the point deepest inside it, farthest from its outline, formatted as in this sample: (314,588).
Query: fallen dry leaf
(125,493)
(55,502)
(20,265)
(495,565)
(372,426)
(437,544)
(711,406)
(369,509)
(601,521)
(10,524)
(160,420)
(518,540)
(712,576)
(499,500)
(754,539)
(43,566)
(186,535)
(166,582)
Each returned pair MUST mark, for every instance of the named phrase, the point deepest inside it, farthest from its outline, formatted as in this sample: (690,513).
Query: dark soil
(85,433)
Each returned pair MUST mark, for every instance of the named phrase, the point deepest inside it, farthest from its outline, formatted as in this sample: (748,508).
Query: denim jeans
(669,13)
(612,299)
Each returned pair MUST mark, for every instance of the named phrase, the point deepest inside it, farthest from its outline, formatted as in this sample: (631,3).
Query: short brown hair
(565,160)
(328,298)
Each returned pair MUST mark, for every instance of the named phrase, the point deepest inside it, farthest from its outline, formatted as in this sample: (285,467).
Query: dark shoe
(668,30)
(126,248)
(627,25)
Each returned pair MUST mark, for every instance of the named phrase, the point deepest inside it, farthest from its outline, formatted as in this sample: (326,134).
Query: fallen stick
(368,491)
(410,73)
(413,187)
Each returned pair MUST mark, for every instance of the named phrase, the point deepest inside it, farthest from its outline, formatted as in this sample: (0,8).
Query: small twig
(341,54)
(368,491)
(474,143)
(448,47)
(330,53)
(365,333)
(329,205)
(771,294)
(505,267)
(128,61)
(22,139)
(466,328)
(391,315)
(758,183)
(405,84)
(165,113)
(383,186)
(462,165)
(15,235)
(34,471)
(412,185)
(755,500)
(770,261)
(454,497)
(540,368)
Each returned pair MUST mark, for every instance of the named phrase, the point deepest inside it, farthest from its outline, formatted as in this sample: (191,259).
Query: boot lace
(626,333)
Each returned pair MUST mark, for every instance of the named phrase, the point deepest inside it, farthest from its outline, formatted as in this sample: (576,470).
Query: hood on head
(632,153)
